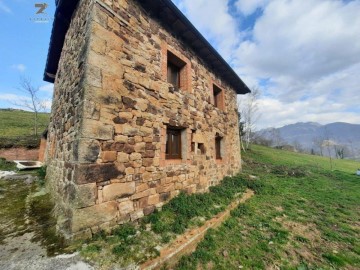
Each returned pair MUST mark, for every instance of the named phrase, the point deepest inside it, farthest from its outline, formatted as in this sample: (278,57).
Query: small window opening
(218,147)
(201,149)
(173,143)
(217,92)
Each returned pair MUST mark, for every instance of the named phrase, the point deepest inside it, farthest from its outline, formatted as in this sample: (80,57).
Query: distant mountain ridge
(308,135)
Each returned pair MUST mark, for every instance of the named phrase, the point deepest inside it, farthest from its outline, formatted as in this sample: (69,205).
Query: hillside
(20,123)
(17,128)
(308,135)
(303,216)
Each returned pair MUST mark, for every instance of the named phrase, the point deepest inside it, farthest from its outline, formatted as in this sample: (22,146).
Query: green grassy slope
(303,216)
(20,123)
(17,128)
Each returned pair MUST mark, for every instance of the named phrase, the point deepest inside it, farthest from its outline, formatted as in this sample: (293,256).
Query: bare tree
(276,137)
(328,143)
(249,114)
(33,103)
(318,143)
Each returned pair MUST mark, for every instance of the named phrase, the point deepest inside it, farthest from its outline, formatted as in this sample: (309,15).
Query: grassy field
(17,128)
(304,216)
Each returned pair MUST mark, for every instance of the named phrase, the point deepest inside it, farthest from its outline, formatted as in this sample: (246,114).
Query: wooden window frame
(169,153)
(218,97)
(176,65)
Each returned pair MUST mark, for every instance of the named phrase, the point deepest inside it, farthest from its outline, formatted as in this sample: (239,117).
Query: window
(175,70)
(218,97)
(201,149)
(218,147)
(173,75)
(173,143)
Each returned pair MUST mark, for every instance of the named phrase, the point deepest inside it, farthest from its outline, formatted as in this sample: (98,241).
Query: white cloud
(276,113)
(11,97)
(303,39)
(4,7)
(47,88)
(19,67)
(213,20)
(304,55)
(248,7)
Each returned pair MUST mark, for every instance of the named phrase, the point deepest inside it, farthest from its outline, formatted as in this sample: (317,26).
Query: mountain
(314,137)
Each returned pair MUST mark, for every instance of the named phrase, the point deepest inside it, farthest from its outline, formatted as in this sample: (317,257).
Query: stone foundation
(112,106)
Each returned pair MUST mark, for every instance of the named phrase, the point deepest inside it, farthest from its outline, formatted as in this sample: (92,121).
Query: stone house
(143,108)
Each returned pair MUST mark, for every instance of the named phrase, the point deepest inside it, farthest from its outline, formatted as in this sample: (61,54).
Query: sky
(303,55)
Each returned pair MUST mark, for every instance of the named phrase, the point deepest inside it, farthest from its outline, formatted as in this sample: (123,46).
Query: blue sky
(304,56)
(23,48)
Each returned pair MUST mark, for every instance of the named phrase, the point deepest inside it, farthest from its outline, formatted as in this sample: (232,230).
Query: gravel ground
(19,253)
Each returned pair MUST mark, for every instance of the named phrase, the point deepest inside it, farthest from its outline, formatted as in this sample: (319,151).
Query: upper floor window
(175,71)
(218,97)
(173,75)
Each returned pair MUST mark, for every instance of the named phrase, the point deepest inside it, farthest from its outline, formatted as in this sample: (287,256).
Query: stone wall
(111,109)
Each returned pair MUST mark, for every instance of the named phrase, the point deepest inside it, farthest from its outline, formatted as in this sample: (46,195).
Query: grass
(133,244)
(17,128)
(7,165)
(304,216)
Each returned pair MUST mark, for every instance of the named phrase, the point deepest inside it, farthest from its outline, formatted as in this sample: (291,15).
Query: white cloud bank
(19,67)
(304,55)
(4,7)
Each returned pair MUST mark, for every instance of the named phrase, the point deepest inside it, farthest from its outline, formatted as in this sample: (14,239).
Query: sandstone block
(129,170)
(136,215)
(135,156)
(118,190)
(143,194)
(94,215)
(96,130)
(92,173)
(108,156)
(86,150)
(122,157)
(154,199)
(126,207)
(165,188)
(85,195)
(139,147)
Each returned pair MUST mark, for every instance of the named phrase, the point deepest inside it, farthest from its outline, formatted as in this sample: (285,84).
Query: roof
(168,14)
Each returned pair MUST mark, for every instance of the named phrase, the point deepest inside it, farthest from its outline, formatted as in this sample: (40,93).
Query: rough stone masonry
(108,143)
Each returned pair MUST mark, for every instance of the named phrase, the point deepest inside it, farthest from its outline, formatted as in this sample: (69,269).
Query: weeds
(7,165)
(181,211)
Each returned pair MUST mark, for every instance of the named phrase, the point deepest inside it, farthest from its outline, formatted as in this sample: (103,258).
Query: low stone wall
(187,243)
(19,154)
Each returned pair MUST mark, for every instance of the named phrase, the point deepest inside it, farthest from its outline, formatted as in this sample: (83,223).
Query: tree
(328,143)
(276,137)
(33,103)
(318,142)
(249,114)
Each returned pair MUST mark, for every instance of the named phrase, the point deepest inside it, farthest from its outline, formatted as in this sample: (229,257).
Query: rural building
(143,108)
